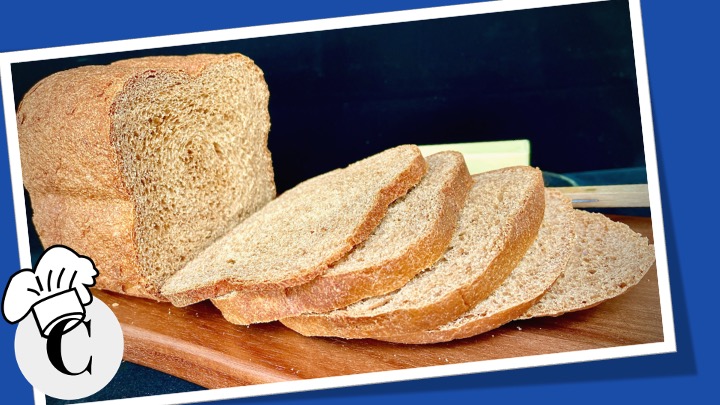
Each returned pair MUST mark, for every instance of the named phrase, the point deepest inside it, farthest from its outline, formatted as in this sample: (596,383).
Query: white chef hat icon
(57,290)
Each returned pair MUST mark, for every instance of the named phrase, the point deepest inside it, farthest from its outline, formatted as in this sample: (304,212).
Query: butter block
(485,156)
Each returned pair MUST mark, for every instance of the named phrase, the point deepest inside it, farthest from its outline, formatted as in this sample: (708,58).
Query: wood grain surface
(620,195)
(196,344)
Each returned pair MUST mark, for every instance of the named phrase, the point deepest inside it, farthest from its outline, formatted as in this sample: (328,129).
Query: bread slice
(609,258)
(294,238)
(543,263)
(413,235)
(500,220)
(143,163)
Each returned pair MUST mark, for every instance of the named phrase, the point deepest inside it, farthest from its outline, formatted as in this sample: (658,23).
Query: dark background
(562,77)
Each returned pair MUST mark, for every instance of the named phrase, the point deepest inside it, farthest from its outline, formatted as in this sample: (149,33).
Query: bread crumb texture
(294,238)
(500,220)
(413,235)
(609,258)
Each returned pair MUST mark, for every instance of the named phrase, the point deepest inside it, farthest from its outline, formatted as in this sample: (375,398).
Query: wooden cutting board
(195,343)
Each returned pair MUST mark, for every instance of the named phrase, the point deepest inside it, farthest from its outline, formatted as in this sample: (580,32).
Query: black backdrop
(562,77)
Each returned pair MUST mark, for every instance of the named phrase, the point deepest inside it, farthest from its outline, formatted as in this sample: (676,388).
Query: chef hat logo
(55,291)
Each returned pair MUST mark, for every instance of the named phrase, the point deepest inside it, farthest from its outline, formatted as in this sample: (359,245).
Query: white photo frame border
(667,346)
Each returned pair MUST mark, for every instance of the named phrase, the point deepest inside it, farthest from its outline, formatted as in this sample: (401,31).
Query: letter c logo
(54,347)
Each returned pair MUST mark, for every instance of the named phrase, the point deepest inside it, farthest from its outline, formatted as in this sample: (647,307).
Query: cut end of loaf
(193,147)
(158,157)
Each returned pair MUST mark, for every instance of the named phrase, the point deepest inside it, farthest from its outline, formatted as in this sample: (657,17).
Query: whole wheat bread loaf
(294,238)
(609,258)
(143,163)
(412,236)
(499,222)
(543,263)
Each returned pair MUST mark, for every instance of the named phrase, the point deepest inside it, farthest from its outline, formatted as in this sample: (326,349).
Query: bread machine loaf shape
(143,163)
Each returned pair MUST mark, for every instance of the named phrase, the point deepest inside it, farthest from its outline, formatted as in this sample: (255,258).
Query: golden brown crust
(522,230)
(404,181)
(481,326)
(331,291)
(73,171)
(84,224)
(64,133)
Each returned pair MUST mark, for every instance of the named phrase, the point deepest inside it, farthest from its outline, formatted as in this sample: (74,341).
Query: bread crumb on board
(115,304)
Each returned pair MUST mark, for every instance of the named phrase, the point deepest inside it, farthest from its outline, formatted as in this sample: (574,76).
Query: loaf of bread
(158,169)
(294,238)
(543,263)
(609,258)
(143,163)
(412,236)
(498,224)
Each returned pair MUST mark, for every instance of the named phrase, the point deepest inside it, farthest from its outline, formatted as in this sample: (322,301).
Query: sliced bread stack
(412,236)
(408,249)
(578,260)
(499,222)
(541,266)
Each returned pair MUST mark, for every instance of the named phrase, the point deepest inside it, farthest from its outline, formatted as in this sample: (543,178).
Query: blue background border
(681,48)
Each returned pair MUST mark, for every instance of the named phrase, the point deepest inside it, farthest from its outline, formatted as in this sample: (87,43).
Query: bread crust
(331,291)
(522,229)
(400,185)
(73,171)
